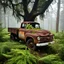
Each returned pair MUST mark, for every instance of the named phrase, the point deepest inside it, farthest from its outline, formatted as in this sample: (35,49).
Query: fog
(48,22)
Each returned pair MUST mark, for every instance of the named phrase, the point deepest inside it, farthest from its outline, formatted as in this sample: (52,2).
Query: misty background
(48,22)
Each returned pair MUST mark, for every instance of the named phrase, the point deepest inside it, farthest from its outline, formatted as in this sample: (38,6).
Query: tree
(28,9)
(58,15)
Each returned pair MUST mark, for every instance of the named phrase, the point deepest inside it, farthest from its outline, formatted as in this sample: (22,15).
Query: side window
(37,26)
(23,25)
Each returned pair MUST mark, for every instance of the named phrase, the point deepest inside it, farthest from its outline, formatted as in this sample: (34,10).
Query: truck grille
(46,39)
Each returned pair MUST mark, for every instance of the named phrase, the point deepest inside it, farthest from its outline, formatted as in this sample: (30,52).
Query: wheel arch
(29,38)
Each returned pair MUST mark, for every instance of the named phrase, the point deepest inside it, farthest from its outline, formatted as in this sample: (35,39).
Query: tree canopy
(28,9)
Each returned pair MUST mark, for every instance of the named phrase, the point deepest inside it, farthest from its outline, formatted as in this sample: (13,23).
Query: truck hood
(38,33)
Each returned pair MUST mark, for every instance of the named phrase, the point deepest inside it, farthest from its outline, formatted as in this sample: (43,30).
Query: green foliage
(15,53)
(0,25)
(59,41)
(56,47)
(49,59)
(51,50)
(59,45)
(28,26)
(59,37)
(21,57)
(61,53)
(1,34)
(58,62)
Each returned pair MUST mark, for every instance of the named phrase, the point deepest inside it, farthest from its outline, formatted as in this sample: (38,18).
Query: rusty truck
(32,37)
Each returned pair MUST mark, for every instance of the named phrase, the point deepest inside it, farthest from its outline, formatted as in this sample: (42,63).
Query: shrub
(49,59)
(3,50)
(59,42)
(58,62)
(61,53)
(16,53)
(59,37)
(56,47)
(21,57)
(50,50)
(1,34)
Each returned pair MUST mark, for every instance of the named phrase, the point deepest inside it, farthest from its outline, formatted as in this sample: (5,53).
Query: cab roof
(27,22)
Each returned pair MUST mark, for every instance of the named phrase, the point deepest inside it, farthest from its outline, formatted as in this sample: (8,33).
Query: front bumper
(44,44)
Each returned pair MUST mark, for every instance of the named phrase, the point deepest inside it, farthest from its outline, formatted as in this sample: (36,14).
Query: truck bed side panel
(13,30)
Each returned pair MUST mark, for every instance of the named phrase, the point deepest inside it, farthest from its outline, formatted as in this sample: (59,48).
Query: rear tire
(30,44)
(14,37)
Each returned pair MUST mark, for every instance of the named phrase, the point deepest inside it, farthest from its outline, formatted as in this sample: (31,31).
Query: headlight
(38,38)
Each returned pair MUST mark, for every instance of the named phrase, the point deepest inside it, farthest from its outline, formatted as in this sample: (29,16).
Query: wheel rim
(31,45)
(12,37)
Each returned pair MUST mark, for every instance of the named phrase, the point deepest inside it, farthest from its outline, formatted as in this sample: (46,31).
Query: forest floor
(10,50)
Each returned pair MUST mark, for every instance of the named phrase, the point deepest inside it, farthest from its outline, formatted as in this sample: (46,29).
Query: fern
(14,52)
(28,26)
(22,56)
(1,34)
(49,59)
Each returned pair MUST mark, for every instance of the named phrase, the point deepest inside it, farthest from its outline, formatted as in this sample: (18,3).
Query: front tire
(30,44)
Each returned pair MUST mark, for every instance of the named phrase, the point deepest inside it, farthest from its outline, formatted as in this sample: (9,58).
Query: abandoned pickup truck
(34,36)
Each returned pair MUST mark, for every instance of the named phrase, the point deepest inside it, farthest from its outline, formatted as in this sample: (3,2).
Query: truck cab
(34,24)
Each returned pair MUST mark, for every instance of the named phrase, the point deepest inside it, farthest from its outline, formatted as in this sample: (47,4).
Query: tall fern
(15,53)
(21,57)
(1,34)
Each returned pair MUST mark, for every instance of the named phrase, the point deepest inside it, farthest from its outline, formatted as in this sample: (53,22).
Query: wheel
(30,44)
(12,36)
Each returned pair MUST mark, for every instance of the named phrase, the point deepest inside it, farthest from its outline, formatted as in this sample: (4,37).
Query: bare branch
(45,6)
(25,5)
(17,4)
(35,6)
(20,14)
(29,1)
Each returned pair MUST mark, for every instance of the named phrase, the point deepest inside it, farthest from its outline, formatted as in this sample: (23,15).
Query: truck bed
(13,30)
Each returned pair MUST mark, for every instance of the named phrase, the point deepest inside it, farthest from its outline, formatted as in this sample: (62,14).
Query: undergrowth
(12,52)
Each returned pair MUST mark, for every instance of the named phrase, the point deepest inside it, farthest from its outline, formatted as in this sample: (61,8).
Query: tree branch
(45,6)
(17,4)
(35,6)
(29,1)
(20,14)
(25,5)
(12,5)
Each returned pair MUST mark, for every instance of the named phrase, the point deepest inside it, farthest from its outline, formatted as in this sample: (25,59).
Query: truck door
(21,34)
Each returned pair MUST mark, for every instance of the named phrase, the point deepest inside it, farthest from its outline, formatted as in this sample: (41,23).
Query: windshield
(35,25)
(31,25)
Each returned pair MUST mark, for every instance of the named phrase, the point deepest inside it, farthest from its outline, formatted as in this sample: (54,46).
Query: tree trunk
(58,14)
(29,18)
